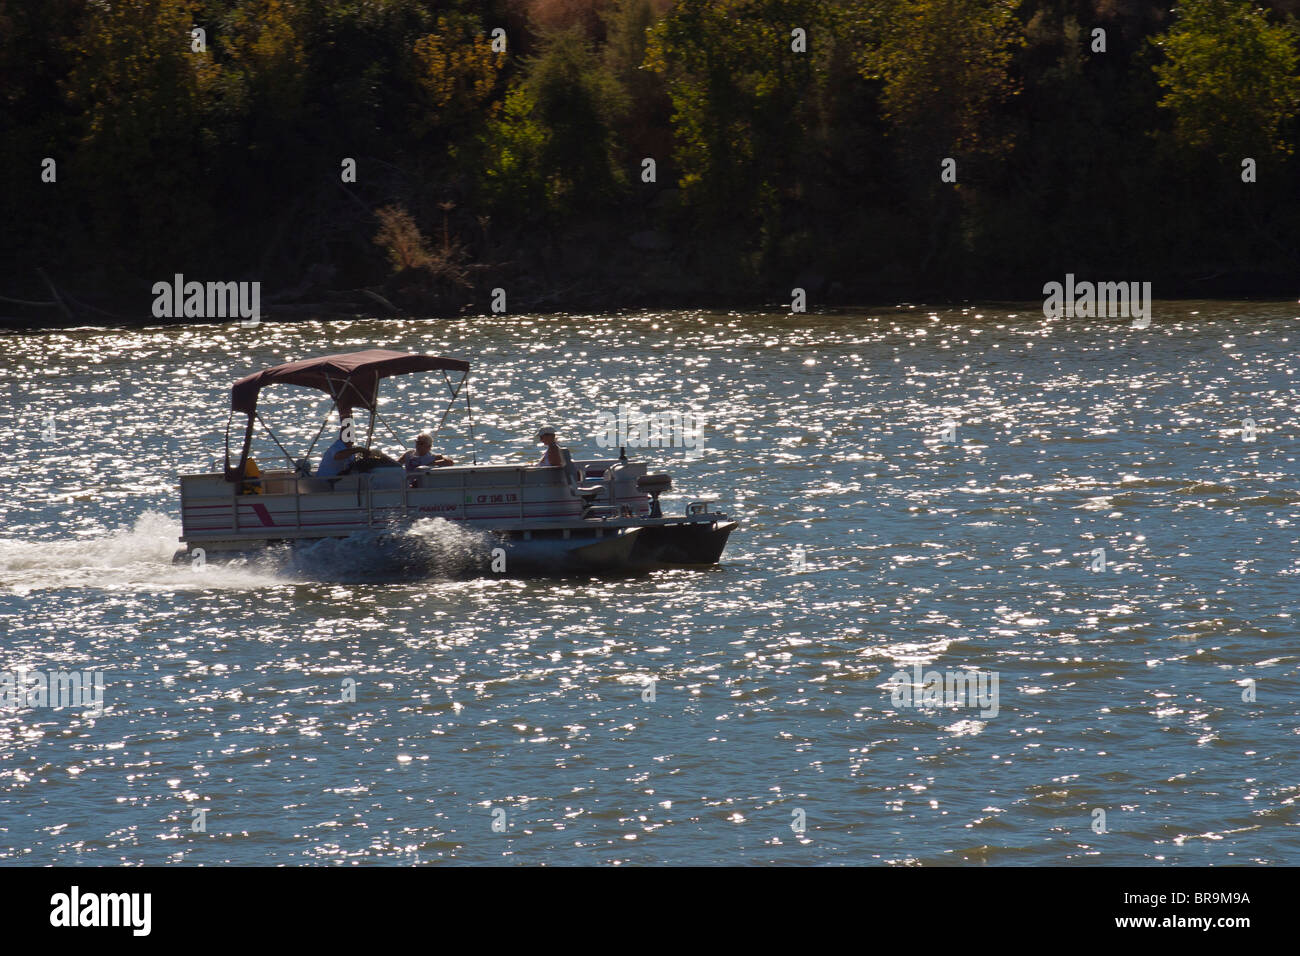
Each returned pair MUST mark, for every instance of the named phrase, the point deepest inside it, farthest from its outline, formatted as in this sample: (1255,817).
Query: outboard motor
(654,486)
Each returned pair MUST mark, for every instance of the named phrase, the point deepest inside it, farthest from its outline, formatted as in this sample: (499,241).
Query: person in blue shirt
(343,458)
(337,457)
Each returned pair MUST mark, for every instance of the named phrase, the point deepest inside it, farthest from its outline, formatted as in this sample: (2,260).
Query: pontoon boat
(595,514)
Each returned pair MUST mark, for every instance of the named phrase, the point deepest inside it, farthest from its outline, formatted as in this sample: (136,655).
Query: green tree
(140,93)
(458,72)
(1229,77)
(263,47)
(552,149)
(944,69)
(646,129)
(742,100)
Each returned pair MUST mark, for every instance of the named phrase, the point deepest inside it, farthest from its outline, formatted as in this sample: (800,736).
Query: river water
(1094,530)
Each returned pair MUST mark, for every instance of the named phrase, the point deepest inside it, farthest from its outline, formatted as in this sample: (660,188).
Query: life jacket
(251,471)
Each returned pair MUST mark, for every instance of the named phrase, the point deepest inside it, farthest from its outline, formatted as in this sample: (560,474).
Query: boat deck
(505,498)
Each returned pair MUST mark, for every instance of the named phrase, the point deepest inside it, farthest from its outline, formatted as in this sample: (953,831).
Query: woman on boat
(423,456)
(552,454)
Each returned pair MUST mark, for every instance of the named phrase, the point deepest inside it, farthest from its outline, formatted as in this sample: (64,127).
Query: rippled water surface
(1125,690)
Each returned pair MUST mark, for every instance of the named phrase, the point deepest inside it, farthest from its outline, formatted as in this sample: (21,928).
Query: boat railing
(212,505)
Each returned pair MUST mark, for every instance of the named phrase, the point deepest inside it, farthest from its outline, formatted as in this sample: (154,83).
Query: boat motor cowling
(654,486)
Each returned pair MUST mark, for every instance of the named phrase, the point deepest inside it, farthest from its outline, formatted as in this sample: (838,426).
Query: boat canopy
(351,378)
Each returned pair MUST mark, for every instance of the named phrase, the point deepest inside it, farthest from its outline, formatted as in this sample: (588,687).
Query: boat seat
(574,475)
(590,493)
(316,486)
(387,478)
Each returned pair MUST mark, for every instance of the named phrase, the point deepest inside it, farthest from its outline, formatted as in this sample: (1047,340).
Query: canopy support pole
(473,449)
(323,422)
(229,418)
(374,413)
(266,428)
(396,437)
(452,403)
(237,474)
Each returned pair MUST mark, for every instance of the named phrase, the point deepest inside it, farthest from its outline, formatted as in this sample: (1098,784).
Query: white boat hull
(520,519)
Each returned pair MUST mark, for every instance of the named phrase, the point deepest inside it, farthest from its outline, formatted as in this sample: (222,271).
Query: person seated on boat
(337,458)
(345,458)
(552,454)
(423,456)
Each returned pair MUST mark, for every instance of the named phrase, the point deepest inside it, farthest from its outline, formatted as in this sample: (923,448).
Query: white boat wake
(431,547)
(140,557)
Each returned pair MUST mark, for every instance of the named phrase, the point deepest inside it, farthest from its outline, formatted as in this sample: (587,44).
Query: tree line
(612,153)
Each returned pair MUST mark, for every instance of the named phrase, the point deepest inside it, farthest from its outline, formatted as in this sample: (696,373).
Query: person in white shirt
(552,454)
(423,456)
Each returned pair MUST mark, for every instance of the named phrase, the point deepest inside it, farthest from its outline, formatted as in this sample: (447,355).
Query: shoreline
(324,312)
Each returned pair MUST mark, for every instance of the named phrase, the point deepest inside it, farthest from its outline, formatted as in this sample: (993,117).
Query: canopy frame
(322,373)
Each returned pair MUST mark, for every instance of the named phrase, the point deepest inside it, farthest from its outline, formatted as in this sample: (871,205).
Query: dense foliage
(794,142)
